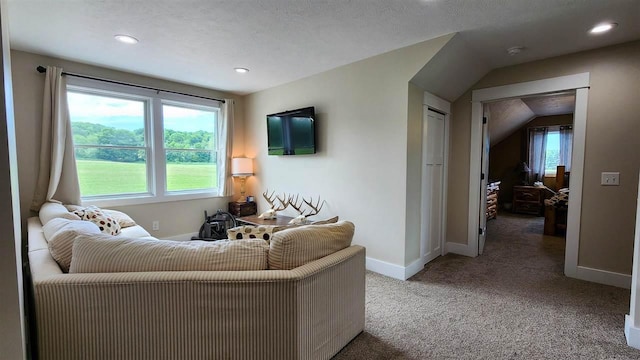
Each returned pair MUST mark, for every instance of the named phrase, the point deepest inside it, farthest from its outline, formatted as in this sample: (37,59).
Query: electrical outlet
(610,179)
(155,225)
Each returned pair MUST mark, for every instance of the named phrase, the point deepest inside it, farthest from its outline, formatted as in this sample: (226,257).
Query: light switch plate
(610,179)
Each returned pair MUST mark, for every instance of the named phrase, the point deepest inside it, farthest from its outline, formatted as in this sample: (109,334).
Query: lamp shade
(241,167)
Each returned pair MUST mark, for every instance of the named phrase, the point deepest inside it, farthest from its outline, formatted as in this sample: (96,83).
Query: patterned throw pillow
(94,214)
(250,232)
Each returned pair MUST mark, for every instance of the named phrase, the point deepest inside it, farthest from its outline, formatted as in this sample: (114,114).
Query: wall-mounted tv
(292,132)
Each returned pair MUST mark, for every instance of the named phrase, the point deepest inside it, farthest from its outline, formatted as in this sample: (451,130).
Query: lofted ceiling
(199,42)
(507,116)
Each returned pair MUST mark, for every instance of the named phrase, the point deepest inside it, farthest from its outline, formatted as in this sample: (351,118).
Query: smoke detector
(515,50)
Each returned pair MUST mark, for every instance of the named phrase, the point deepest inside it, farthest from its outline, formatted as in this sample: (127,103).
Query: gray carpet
(513,302)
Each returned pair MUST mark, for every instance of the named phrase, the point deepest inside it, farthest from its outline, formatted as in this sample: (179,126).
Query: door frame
(442,106)
(579,83)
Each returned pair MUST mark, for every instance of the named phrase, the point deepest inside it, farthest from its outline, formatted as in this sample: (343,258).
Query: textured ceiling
(507,116)
(201,41)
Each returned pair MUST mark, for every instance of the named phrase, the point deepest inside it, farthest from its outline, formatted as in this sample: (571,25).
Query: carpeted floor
(513,302)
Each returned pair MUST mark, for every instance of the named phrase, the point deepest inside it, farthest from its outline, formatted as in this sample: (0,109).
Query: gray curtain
(225,141)
(537,152)
(57,174)
(566,141)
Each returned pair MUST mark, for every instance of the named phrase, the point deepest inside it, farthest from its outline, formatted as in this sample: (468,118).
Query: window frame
(154,136)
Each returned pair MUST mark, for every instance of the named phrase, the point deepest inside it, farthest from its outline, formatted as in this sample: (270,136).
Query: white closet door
(432,184)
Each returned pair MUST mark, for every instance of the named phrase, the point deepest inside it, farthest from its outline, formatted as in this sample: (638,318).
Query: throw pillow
(332,220)
(61,233)
(123,219)
(52,210)
(103,254)
(94,214)
(297,246)
(250,232)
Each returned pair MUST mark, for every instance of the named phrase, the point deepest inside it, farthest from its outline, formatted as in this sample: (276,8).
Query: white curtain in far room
(225,146)
(566,140)
(57,173)
(537,152)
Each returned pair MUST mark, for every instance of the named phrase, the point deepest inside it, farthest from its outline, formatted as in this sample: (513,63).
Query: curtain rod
(41,69)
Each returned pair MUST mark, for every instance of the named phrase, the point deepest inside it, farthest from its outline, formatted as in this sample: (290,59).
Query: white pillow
(61,233)
(134,232)
(103,254)
(52,210)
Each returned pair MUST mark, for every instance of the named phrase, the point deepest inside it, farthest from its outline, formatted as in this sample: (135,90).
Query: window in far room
(549,147)
(552,153)
(137,146)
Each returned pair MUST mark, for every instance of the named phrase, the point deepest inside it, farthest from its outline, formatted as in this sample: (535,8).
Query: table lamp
(241,168)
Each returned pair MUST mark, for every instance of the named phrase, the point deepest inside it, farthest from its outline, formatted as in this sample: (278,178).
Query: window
(189,142)
(549,147)
(137,146)
(552,152)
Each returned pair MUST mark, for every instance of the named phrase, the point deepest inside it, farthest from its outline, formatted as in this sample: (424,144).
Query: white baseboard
(460,249)
(603,277)
(414,268)
(393,270)
(181,237)
(631,332)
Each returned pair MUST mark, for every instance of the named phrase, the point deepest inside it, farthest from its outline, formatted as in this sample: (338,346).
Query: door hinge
(482,176)
(484,119)
(480,231)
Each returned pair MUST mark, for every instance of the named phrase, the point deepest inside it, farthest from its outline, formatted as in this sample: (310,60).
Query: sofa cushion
(60,234)
(103,254)
(134,232)
(297,246)
(52,210)
(250,232)
(94,214)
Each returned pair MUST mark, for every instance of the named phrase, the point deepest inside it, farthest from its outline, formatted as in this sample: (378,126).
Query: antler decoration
(314,208)
(271,200)
(297,205)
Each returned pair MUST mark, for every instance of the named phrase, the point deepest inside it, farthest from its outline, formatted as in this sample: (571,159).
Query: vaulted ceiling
(507,116)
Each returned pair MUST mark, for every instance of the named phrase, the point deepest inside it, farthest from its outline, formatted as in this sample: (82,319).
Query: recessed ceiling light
(241,70)
(602,28)
(127,39)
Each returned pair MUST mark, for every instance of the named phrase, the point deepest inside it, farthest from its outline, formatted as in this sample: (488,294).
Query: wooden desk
(256,221)
(529,199)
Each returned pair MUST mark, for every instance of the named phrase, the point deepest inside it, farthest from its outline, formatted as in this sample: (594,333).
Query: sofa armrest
(224,314)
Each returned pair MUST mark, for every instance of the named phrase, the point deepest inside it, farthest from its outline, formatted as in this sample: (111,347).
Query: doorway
(529,162)
(579,83)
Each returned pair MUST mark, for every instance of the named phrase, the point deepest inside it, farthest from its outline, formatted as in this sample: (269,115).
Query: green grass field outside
(99,177)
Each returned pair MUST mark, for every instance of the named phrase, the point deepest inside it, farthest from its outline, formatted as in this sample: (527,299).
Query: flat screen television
(292,132)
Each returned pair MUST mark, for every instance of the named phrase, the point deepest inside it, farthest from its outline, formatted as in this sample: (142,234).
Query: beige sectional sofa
(309,310)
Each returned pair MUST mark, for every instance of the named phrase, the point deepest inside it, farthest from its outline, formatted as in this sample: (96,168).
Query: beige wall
(178,217)
(612,143)
(504,155)
(362,126)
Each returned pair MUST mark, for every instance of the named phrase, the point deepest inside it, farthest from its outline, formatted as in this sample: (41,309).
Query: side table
(243,208)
